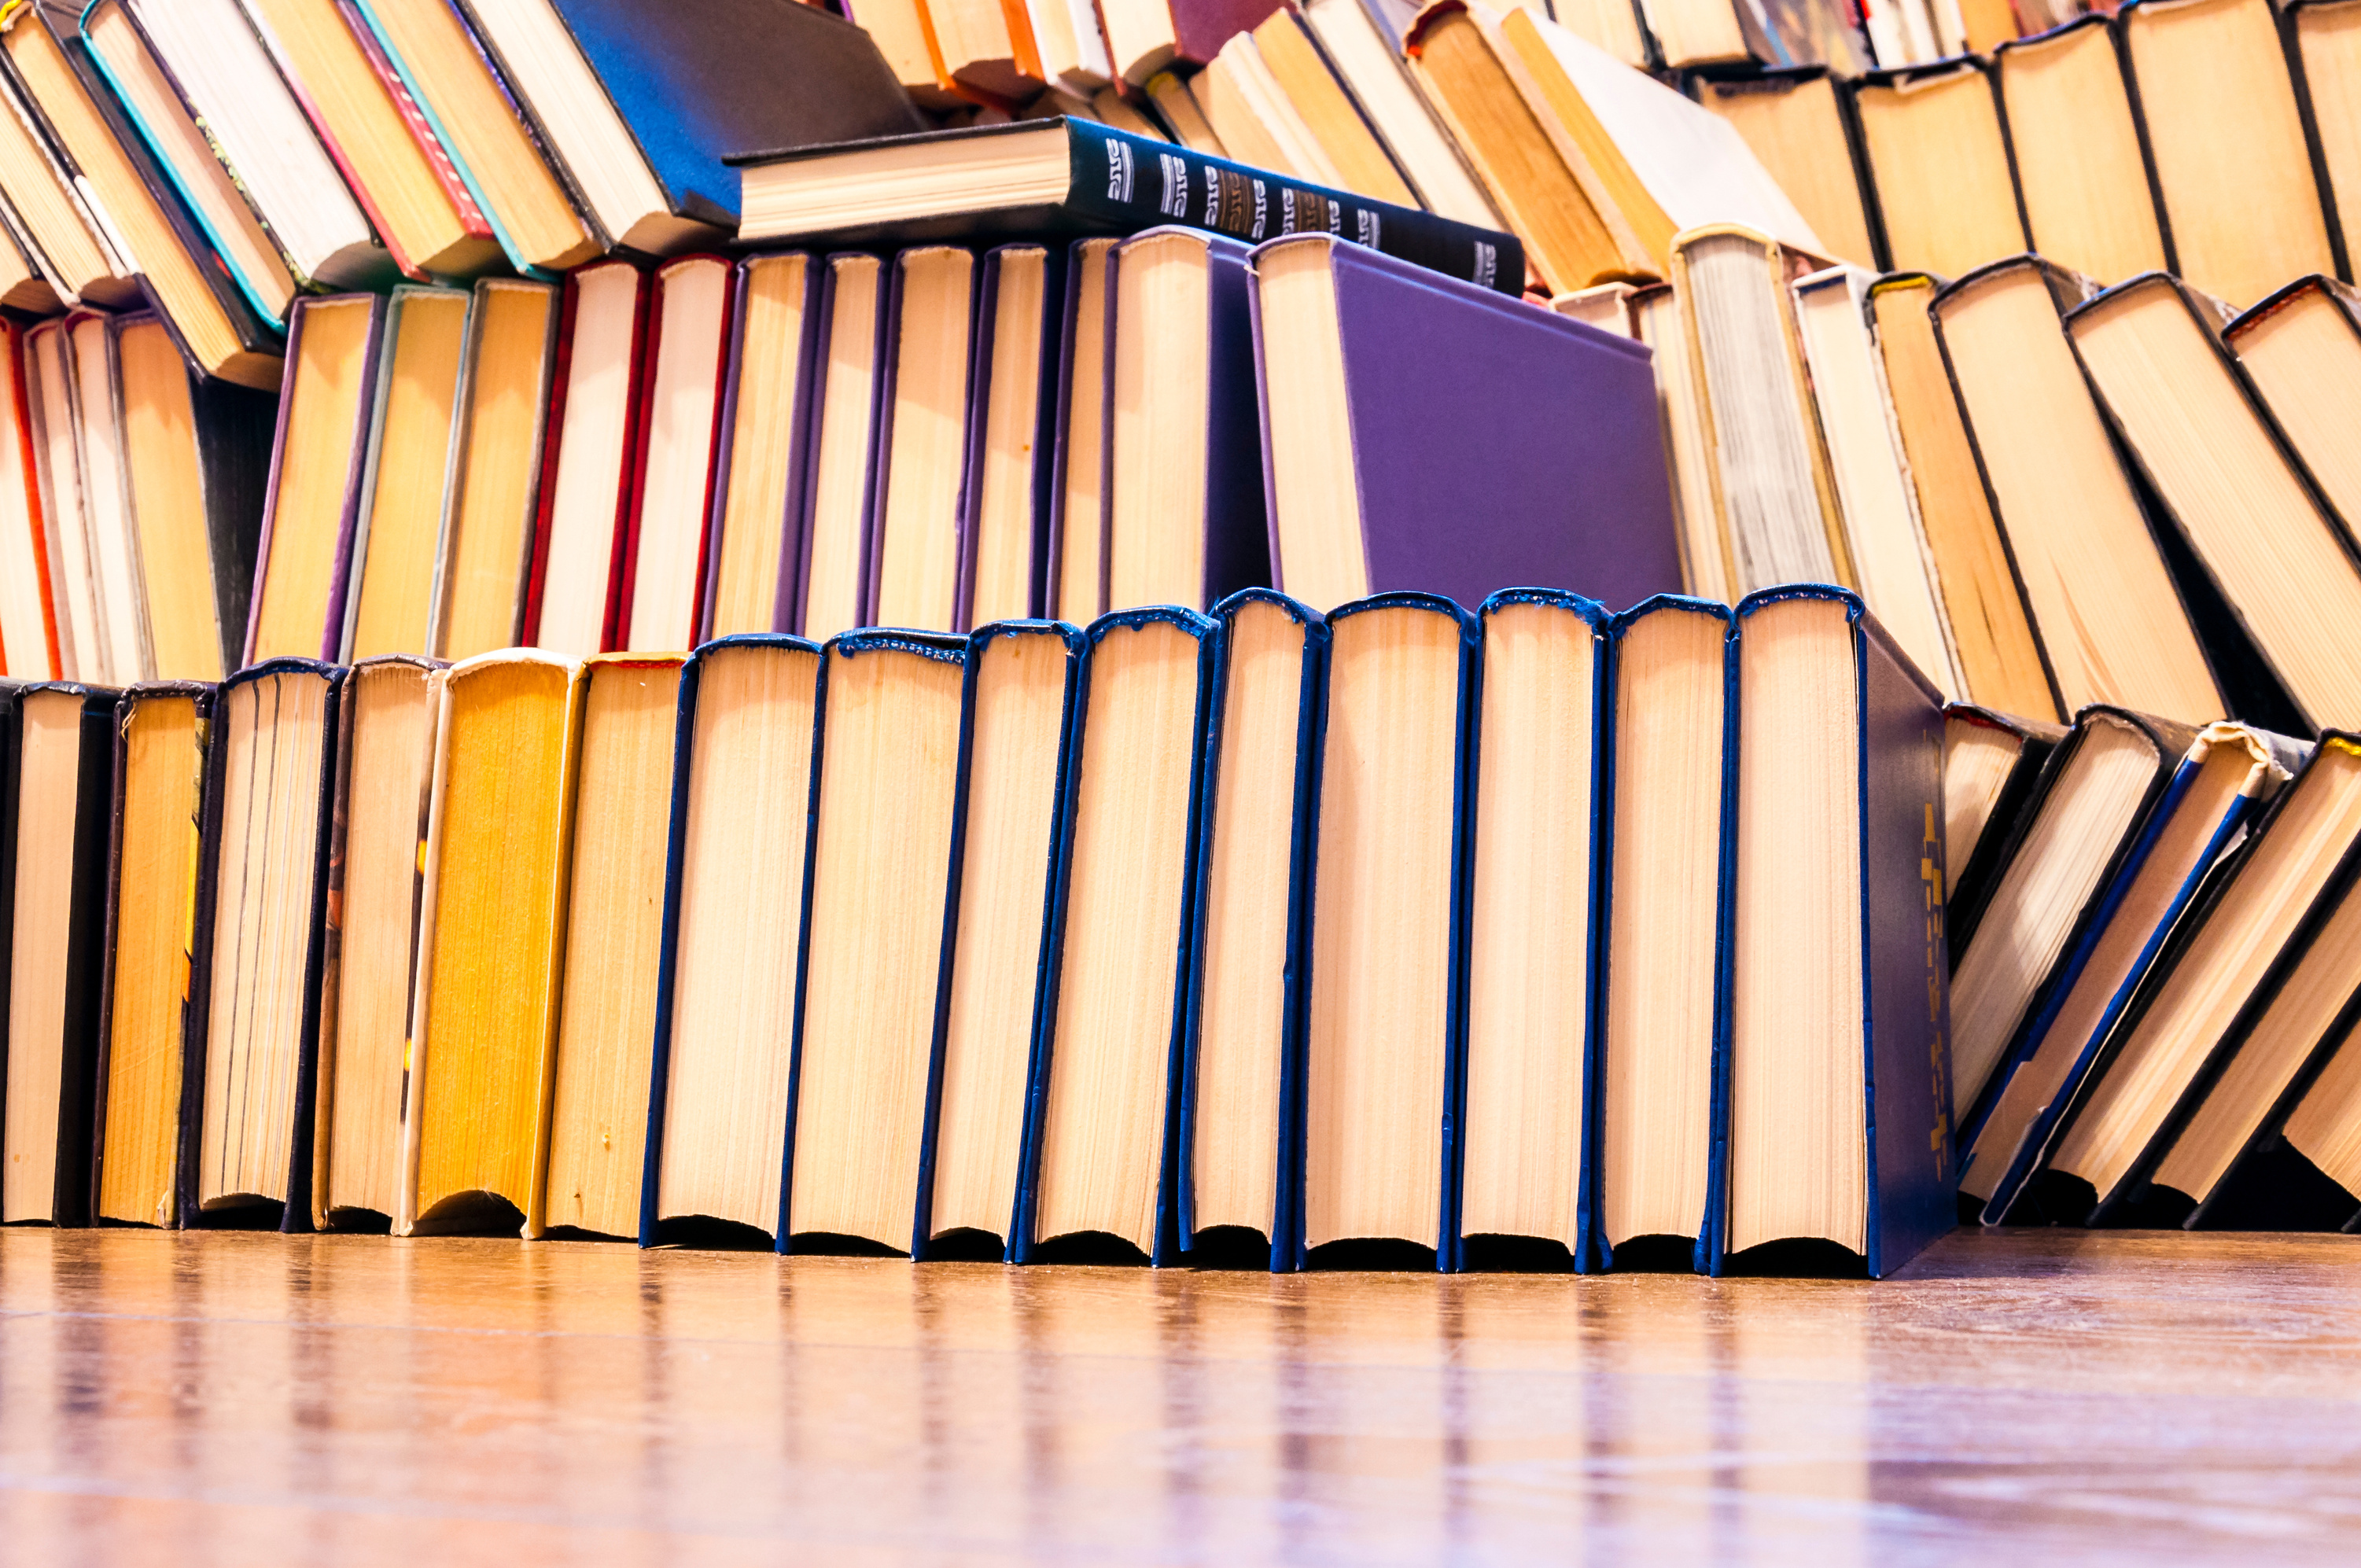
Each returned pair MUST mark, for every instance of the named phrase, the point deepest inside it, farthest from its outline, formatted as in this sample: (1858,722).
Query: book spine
(1130,181)
(429,144)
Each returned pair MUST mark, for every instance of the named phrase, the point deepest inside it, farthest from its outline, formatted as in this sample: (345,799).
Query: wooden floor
(239,1398)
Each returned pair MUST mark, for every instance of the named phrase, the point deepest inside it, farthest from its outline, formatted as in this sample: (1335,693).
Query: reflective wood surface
(242,1398)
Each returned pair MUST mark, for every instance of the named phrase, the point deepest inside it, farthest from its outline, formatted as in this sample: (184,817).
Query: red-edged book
(672,468)
(578,596)
(29,621)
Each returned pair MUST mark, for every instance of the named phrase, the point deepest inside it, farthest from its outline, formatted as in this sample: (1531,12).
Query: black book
(1067,176)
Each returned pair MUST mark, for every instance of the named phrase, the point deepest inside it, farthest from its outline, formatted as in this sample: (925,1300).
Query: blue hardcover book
(870,1001)
(1103,1094)
(1239,1177)
(1834,1085)
(1480,441)
(1667,832)
(1534,931)
(2227,774)
(1385,1059)
(737,884)
(1015,735)
(1181,512)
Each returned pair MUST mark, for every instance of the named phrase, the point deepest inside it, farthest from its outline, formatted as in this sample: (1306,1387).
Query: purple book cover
(340,575)
(1495,444)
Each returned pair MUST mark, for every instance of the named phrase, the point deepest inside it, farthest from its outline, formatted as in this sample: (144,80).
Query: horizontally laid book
(1068,176)
(1422,433)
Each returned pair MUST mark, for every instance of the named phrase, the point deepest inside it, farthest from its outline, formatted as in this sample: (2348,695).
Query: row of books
(2053,494)
(2158,932)
(2215,140)
(1401,932)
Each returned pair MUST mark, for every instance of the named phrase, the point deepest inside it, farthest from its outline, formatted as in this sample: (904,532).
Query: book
(1106,1078)
(219,69)
(1778,511)
(904,34)
(924,411)
(1144,37)
(1934,150)
(1183,509)
(2001,662)
(1834,1085)
(506,369)
(1012,442)
(1304,76)
(1553,437)
(1663,824)
(373,129)
(2096,589)
(491,935)
(47,365)
(63,235)
(303,561)
(1659,321)
(2283,560)
(638,106)
(2236,175)
(28,598)
(160,737)
(1877,507)
(737,878)
(769,387)
(1022,682)
(2326,61)
(1992,764)
(2226,776)
(1535,862)
(255,955)
(832,536)
(1614,29)
(221,333)
(613,923)
(1251,113)
(1175,103)
(875,915)
(672,475)
(1367,59)
(119,592)
(1795,33)
(1061,177)
(463,98)
(2099,1166)
(1801,125)
(598,398)
(1076,587)
(1538,177)
(1238,1166)
(2079,152)
(988,54)
(196,461)
(398,537)
(57,757)
(1385,1052)
(2299,348)
(152,101)
(383,800)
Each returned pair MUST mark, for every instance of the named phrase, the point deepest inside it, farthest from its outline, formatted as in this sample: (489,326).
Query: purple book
(1484,443)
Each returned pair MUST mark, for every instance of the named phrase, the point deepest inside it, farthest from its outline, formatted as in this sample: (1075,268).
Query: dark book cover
(1235,526)
(1494,444)
(1023,1243)
(1119,183)
(340,579)
(1976,866)
(801,520)
(889,377)
(1286,1239)
(616,610)
(635,485)
(1912,1170)
(1048,424)
(802,425)
(296,1214)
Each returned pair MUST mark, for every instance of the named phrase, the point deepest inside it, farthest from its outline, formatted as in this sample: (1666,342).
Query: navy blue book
(1666,827)
(737,882)
(1103,1103)
(1015,735)
(1385,1086)
(1535,873)
(1834,1093)
(637,104)
(1242,1084)
(1483,442)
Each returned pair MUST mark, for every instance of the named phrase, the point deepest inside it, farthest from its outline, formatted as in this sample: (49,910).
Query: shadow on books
(251,1216)
(359,1223)
(1384,1256)
(966,1244)
(1796,1258)
(822,1244)
(1516,1255)
(1089,1246)
(1656,1255)
(699,1234)
(471,1214)
(1228,1246)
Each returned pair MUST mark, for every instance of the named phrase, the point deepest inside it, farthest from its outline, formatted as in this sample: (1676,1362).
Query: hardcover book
(574,593)
(925,410)
(505,374)
(1991,763)
(1012,444)
(672,489)
(760,464)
